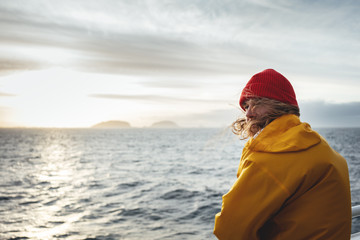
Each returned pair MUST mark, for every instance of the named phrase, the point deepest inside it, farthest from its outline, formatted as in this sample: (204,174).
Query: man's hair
(275,109)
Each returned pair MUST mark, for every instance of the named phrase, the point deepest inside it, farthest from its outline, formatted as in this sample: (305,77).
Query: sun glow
(59,97)
(55,97)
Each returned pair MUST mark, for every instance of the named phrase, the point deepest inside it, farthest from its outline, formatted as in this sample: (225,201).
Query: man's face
(255,111)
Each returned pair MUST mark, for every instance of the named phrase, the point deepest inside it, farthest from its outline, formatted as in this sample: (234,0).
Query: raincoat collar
(284,134)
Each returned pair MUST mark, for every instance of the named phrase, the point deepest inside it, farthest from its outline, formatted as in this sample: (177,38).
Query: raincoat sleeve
(253,199)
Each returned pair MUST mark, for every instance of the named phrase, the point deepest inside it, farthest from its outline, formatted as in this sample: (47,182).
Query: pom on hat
(269,84)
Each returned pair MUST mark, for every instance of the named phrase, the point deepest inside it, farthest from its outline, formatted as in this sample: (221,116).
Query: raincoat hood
(284,134)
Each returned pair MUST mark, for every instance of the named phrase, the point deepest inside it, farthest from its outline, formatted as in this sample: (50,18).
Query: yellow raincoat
(290,185)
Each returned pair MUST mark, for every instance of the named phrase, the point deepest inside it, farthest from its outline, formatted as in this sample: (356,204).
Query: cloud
(144,54)
(316,113)
(2,94)
(215,118)
(188,37)
(171,83)
(139,53)
(9,65)
(322,114)
(156,98)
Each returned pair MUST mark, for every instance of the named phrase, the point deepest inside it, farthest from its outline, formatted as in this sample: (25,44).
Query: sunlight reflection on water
(55,176)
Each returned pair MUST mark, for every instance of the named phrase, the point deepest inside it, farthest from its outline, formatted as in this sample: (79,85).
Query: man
(291,185)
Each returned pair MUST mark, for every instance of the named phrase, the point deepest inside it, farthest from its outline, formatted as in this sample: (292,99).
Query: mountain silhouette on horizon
(112,124)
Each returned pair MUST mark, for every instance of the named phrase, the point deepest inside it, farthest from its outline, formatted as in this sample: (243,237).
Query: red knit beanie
(269,84)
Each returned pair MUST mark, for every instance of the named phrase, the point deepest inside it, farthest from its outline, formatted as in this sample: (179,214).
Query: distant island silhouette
(112,124)
(164,124)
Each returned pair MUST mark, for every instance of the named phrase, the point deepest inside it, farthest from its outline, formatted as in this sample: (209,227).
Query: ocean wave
(9,198)
(129,185)
(29,202)
(180,194)
(133,212)
(105,237)
(204,213)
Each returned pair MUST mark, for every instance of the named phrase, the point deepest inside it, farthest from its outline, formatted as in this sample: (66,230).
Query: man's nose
(249,113)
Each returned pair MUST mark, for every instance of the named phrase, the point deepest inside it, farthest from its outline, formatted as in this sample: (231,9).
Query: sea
(137,183)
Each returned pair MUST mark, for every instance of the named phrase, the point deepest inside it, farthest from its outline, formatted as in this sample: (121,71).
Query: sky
(77,63)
